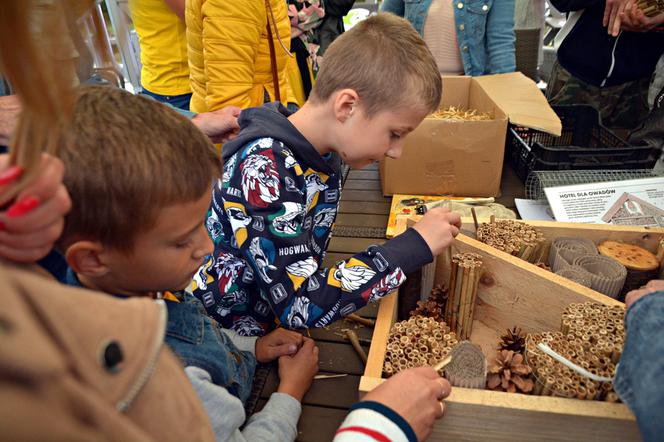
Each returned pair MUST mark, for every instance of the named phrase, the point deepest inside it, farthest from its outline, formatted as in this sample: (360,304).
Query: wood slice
(631,256)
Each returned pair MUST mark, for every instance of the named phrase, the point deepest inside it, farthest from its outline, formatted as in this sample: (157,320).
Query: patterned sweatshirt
(270,219)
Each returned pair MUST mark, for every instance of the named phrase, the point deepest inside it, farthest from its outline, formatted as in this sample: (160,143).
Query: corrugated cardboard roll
(608,275)
(564,251)
(576,274)
(468,366)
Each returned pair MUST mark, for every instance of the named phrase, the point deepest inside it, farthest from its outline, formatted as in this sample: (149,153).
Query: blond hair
(38,78)
(386,62)
(126,157)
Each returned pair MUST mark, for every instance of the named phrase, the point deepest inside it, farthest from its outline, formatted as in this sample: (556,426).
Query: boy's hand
(656,285)
(280,342)
(297,372)
(438,227)
(416,395)
(32,223)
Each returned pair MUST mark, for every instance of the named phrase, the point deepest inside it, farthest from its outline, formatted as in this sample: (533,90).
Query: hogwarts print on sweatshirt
(270,219)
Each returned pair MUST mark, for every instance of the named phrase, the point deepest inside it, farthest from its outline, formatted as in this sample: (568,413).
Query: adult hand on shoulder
(656,285)
(33,221)
(220,125)
(634,20)
(280,342)
(416,395)
(612,16)
(438,227)
(296,373)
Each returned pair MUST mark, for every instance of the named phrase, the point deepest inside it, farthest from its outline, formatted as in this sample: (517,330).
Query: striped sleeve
(370,421)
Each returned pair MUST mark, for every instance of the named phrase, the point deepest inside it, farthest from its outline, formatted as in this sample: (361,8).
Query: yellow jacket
(229,54)
(162,37)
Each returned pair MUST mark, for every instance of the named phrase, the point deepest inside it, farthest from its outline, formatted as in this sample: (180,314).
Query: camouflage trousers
(621,107)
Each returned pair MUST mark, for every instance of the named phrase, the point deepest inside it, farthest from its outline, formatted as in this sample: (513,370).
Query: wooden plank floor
(326,404)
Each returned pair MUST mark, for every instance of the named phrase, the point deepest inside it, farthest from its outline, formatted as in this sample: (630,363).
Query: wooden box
(514,292)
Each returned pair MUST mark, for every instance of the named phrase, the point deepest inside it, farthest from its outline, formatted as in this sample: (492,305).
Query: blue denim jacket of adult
(198,341)
(640,378)
(485,31)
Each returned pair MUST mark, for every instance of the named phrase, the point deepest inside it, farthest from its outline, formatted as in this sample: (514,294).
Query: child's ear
(85,258)
(345,103)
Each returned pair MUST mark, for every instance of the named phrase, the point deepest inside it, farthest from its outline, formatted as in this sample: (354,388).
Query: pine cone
(434,306)
(439,294)
(509,373)
(514,339)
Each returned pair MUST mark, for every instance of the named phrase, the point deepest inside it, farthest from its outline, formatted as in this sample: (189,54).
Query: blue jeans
(198,341)
(179,101)
(640,378)
(484,30)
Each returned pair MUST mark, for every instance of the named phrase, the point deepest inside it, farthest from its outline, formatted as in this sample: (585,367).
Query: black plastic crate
(584,144)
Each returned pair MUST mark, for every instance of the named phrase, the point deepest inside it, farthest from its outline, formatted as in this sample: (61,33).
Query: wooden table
(327,402)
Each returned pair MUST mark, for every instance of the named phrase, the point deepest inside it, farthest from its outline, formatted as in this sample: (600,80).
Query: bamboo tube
(476,282)
(360,320)
(463,304)
(472,210)
(581,392)
(457,298)
(442,364)
(612,397)
(352,337)
(450,297)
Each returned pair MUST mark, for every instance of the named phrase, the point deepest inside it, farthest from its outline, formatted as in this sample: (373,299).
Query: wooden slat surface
(371,207)
(333,393)
(361,219)
(364,196)
(364,175)
(358,184)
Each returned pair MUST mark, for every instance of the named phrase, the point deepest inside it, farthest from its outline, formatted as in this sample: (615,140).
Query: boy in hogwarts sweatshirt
(272,211)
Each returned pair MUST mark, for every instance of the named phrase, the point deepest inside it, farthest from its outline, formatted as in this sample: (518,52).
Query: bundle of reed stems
(465,276)
(591,337)
(651,8)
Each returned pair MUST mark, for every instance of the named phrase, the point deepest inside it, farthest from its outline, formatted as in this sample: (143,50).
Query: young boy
(273,210)
(140,179)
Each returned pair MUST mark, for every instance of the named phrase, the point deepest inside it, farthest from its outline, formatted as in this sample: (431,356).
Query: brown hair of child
(386,62)
(126,157)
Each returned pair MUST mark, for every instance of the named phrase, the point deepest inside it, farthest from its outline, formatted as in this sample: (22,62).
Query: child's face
(167,256)
(367,140)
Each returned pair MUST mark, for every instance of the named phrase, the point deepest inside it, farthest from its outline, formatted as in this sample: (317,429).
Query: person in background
(305,17)
(238,53)
(471,37)
(332,25)
(608,70)
(638,379)
(163,41)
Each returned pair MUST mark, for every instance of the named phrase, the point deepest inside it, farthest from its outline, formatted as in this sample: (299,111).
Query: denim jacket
(485,31)
(640,378)
(198,341)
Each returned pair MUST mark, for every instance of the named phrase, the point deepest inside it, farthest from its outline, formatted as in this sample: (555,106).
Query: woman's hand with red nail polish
(32,223)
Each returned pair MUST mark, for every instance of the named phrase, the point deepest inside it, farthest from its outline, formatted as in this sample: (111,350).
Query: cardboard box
(465,158)
(515,292)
